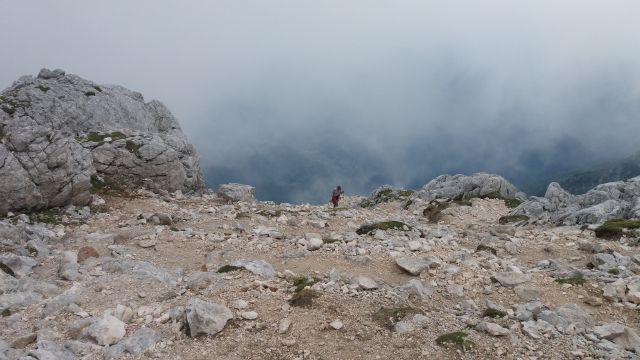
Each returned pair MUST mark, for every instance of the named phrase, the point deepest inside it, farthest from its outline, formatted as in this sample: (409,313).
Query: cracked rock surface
(57,131)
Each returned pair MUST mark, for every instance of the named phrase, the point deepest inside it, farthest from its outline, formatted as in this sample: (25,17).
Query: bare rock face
(473,186)
(57,131)
(614,200)
(206,318)
(233,192)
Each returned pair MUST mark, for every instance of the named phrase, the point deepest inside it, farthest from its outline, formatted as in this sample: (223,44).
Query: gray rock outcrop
(57,131)
(467,187)
(206,318)
(614,200)
(385,194)
(233,192)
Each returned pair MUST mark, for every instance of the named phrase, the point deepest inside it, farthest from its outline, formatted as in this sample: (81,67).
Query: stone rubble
(224,279)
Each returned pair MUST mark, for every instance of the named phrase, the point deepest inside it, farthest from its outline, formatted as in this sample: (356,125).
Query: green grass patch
(388,317)
(5,313)
(614,271)
(386,195)
(433,211)
(456,338)
(7,269)
(577,279)
(100,137)
(32,250)
(406,193)
(303,282)
(133,147)
(494,313)
(106,187)
(9,103)
(330,240)
(385,225)
(461,201)
(303,298)
(228,268)
(509,202)
(49,216)
(270,213)
(243,215)
(487,248)
(613,229)
(508,219)
(512,203)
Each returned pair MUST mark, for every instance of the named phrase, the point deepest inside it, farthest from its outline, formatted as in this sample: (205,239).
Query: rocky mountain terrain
(224,276)
(614,200)
(110,249)
(61,135)
(581,181)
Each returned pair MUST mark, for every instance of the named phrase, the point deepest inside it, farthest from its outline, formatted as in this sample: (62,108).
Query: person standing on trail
(335,195)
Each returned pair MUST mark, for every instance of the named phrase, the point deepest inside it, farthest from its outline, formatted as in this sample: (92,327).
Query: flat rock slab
(366,283)
(258,267)
(106,330)
(492,329)
(609,331)
(413,265)
(139,342)
(511,279)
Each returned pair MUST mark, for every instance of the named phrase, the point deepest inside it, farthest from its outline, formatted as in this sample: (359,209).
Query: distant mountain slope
(581,181)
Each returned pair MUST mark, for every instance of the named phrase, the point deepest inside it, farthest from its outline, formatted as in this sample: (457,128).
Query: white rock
(206,318)
(239,304)
(403,327)
(314,244)
(511,279)
(147,243)
(366,283)
(634,297)
(284,325)
(336,324)
(106,330)
(492,329)
(249,315)
(414,245)
(413,265)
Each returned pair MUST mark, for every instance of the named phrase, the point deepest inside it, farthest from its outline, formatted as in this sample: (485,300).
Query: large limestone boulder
(614,200)
(206,318)
(58,130)
(233,192)
(473,186)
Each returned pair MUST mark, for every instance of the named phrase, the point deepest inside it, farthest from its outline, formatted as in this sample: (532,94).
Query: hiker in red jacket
(335,195)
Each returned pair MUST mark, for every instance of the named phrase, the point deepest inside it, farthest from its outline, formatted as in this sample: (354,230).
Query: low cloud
(297,97)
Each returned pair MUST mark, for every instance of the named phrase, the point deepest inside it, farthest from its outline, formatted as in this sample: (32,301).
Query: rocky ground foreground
(177,277)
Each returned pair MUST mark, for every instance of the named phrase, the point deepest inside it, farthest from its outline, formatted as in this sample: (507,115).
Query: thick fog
(295,97)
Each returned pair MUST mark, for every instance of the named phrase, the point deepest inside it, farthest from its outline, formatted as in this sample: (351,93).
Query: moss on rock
(508,219)
(385,225)
(228,268)
(388,317)
(304,298)
(100,137)
(614,229)
(433,211)
(576,279)
(456,338)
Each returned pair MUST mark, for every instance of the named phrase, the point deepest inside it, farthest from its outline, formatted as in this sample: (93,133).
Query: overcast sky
(297,96)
